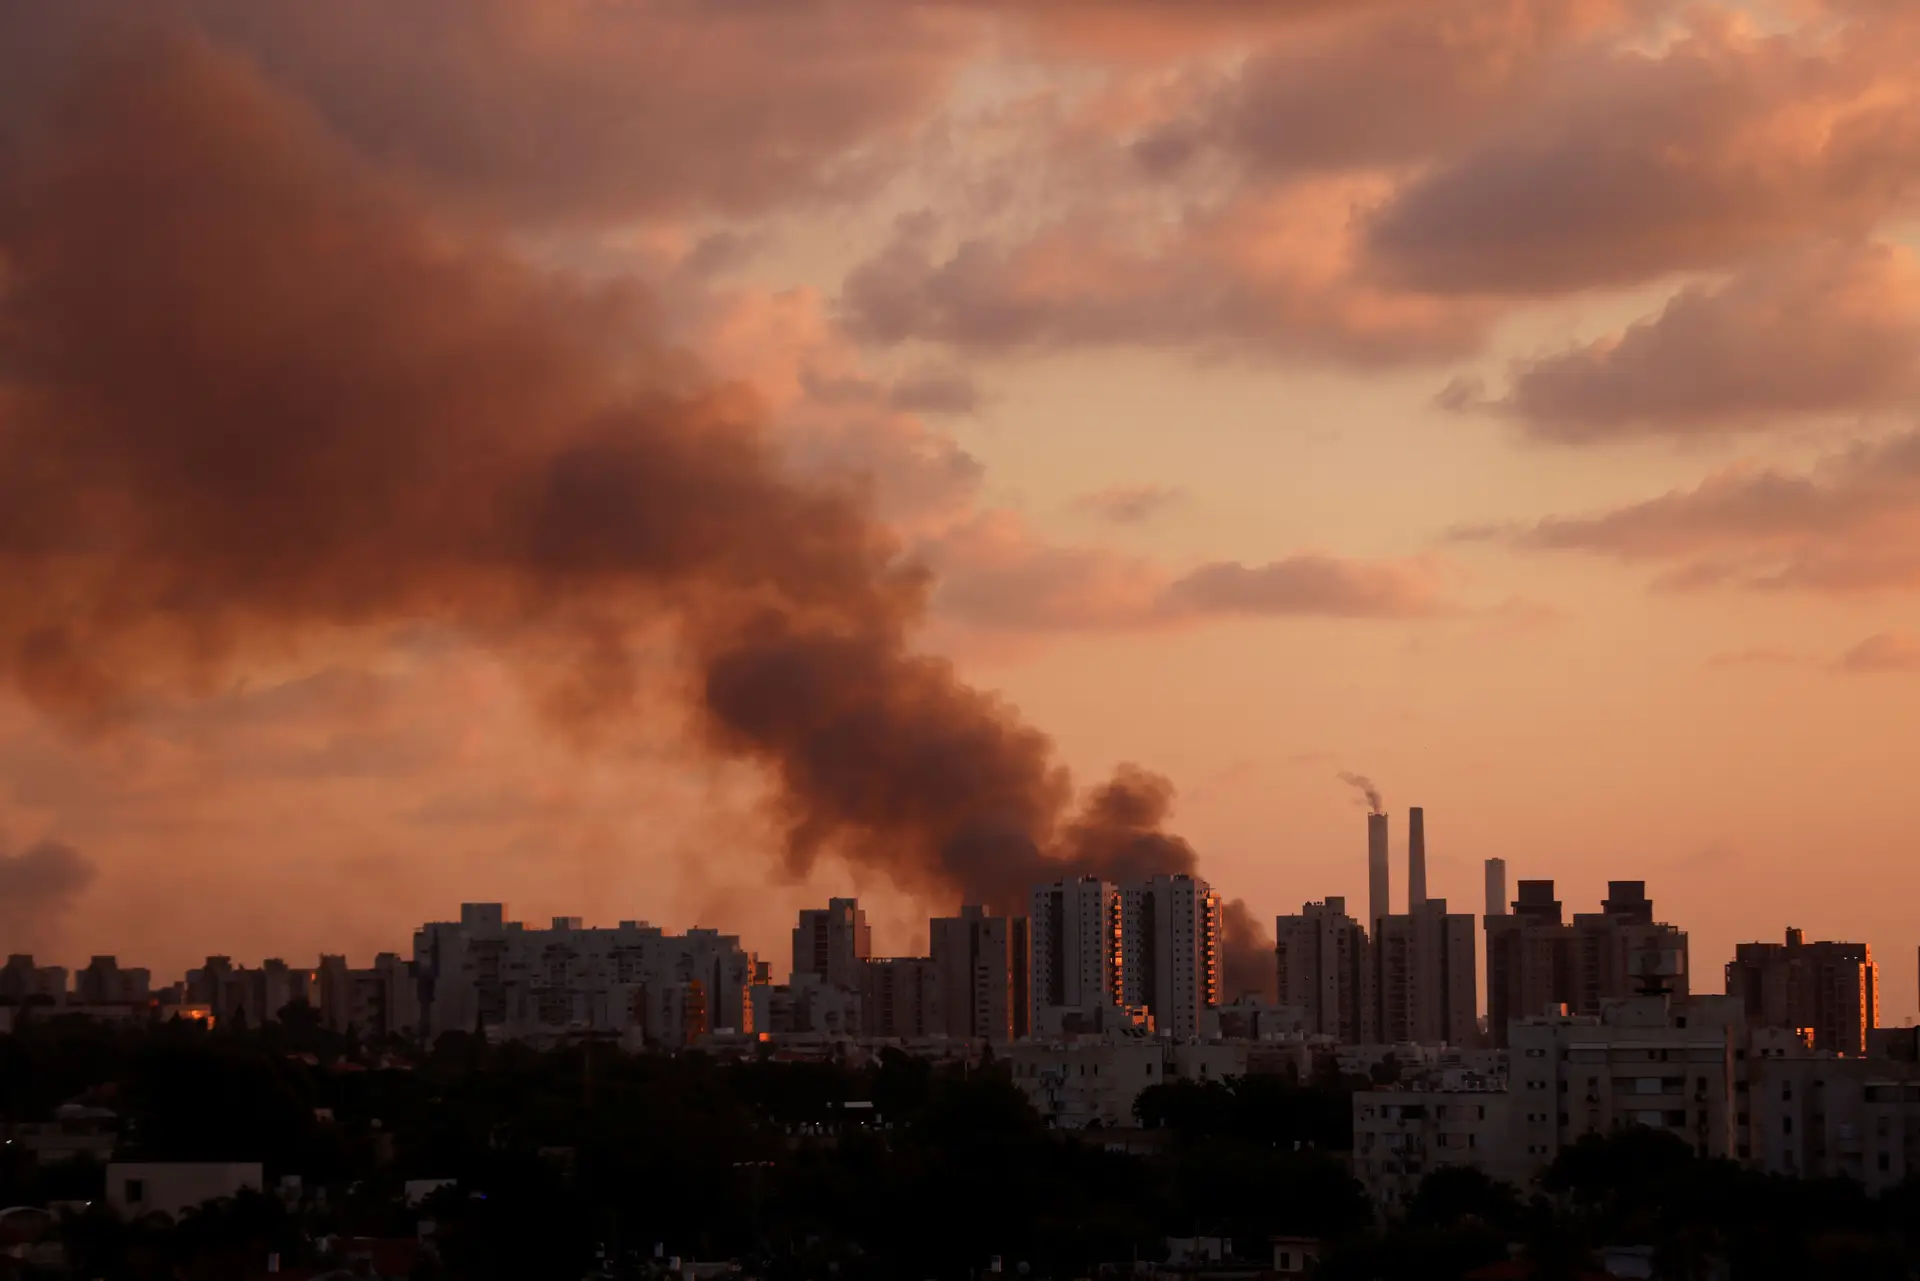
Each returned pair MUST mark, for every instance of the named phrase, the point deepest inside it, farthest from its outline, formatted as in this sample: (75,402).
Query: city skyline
(552,530)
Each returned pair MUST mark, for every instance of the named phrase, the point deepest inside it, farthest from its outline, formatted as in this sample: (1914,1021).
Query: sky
(680,459)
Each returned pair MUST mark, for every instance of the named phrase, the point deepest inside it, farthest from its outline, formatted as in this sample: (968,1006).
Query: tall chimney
(1496,887)
(1377,905)
(1416,857)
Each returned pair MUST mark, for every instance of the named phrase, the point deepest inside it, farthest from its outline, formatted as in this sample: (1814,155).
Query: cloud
(1822,329)
(1268,276)
(1722,144)
(1850,524)
(993,573)
(40,883)
(1130,504)
(573,113)
(1882,653)
(936,391)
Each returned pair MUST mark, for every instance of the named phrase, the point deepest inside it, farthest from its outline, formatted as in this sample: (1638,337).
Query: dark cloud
(1830,328)
(936,391)
(1696,155)
(571,112)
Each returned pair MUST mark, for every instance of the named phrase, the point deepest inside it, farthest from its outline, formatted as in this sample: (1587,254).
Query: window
(1786,1125)
(1886,1163)
(136,1191)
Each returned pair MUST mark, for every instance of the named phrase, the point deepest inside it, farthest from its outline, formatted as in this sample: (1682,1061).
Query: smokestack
(1416,857)
(1377,903)
(1496,887)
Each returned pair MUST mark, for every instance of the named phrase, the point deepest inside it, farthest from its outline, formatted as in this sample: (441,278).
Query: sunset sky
(1512,401)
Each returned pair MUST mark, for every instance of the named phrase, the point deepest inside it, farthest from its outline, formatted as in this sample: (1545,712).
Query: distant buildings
(1537,962)
(1325,967)
(1170,952)
(980,967)
(1075,931)
(1831,990)
(832,943)
(1425,976)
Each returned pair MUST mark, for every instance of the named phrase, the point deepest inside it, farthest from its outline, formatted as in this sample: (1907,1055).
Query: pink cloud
(1885,652)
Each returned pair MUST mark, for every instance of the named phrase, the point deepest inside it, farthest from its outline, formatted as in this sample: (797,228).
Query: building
(980,966)
(1670,1063)
(1378,881)
(1093,1082)
(24,983)
(1401,1135)
(103,982)
(1325,968)
(1813,1114)
(484,972)
(1537,961)
(809,1006)
(137,1189)
(1170,952)
(1075,928)
(900,997)
(833,943)
(1833,989)
(1426,977)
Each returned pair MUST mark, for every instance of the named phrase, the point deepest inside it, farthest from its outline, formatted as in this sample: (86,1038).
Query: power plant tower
(1496,887)
(1416,858)
(1378,906)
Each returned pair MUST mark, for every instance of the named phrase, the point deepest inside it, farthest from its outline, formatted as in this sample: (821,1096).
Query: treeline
(560,1155)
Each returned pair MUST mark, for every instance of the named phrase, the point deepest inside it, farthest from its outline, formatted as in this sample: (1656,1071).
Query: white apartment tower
(1170,951)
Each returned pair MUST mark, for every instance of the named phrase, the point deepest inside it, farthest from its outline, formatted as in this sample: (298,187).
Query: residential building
(833,943)
(1833,989)
(1075,927)
(900,997)
(139,1188)
(1170,951)
(24,983)
(1813,1114)
(1537,961)
(808,1006)
(1401,1135)
(1426,979)
(980,969)
(1093,1082)
(103,982)
(486,972)
(1325,967)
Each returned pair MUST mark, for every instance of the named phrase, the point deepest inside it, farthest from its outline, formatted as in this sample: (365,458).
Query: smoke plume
(254,392)
(40,883)
(1365,785)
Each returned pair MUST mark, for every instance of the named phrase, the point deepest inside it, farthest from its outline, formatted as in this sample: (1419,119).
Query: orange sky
(1511,402)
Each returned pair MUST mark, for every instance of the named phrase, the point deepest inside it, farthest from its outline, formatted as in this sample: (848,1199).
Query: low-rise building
(1402,1135)
(136,1189)
(1093,1082)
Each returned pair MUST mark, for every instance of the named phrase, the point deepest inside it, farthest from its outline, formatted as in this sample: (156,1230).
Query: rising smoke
(40,884)
(1367,789)
(255,390)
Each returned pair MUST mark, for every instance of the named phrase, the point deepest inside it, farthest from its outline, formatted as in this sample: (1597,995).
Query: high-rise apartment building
(24,983)
(1426,983)
(1075,931)
(833,943)
(1830,989)
(103,982)
(1325,968)
(901,997)
(1537,961)
(981,974)
(1379,885)
(1170,951)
